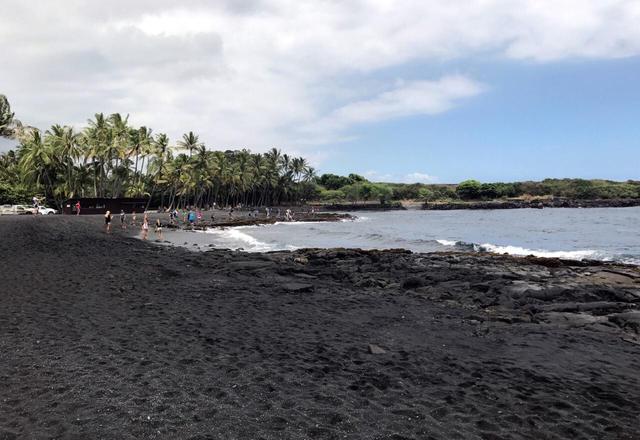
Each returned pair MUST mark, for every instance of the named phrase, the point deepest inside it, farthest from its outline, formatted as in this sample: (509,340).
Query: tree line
(111,158)
(335,189)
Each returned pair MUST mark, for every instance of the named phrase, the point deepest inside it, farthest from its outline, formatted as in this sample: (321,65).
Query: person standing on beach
(107,221)
(123,217)
(145,226)
(134,218)
(78,207)
(158,229)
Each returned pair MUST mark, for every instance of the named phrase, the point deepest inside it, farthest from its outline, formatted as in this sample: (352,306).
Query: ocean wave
(520,251)
(523,252)
(295,223)
(234,238)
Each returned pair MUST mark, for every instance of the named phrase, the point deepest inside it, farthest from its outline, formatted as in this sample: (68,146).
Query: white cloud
(420,178)
(406,99)
(259,73)
(415,177)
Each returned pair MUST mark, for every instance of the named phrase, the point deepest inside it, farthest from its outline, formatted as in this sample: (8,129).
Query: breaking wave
(520,251)
(234,238)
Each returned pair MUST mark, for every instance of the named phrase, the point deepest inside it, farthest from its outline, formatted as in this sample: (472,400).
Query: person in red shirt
(78,207)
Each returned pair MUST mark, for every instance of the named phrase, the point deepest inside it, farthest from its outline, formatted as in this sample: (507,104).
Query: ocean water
(611,234)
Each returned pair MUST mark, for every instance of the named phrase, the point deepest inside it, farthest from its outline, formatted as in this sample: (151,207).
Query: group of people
(190,216)
(123,223)
(184,216)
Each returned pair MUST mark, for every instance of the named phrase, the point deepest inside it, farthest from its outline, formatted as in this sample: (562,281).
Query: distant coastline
(449,205)
(532,204)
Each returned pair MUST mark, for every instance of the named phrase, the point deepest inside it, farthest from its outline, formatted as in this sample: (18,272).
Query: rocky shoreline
(107,336)
(535,204)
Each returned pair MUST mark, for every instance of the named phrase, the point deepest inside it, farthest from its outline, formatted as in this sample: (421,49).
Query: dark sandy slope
(108,337)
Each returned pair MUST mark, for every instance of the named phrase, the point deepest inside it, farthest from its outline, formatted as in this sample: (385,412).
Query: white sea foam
(234,238)
(297,223)
(516,250)
(520,251)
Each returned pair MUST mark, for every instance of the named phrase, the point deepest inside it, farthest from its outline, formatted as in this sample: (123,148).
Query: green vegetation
(473,190)
(110,158)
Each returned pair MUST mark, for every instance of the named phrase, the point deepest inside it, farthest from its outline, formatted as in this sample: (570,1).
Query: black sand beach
(106,336)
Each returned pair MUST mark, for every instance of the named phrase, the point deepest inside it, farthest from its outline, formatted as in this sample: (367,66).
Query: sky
(405,91)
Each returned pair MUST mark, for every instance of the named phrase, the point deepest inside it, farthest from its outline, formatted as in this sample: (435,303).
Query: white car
(43,210)
(16,210)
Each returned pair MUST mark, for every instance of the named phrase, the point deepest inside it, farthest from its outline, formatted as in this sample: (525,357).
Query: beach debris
(375,349)
(301,260)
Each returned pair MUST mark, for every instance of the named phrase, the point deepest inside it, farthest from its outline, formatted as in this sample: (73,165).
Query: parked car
(43,210)
(17,210)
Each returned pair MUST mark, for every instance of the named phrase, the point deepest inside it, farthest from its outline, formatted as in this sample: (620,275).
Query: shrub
(13,195)
(332,195)
(469,190)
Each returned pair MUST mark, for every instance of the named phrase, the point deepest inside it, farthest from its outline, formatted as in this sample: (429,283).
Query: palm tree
(158,162)
(189,142)
(298,166)
(39,165)
(66,145)
(110,158)
(140,141)
(97,140)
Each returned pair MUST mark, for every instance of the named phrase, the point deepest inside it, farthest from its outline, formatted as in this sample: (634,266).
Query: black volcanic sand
(105,336)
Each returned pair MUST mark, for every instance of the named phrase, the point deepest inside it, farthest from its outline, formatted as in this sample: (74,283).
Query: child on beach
(123,216)
(107,221)
(134,218)
(145,227)
(78,207)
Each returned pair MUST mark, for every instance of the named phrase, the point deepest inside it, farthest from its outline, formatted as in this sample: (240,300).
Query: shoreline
(247,241)
(242,219)
(109,336)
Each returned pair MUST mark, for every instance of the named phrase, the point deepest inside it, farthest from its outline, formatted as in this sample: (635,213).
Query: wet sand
(106,336)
